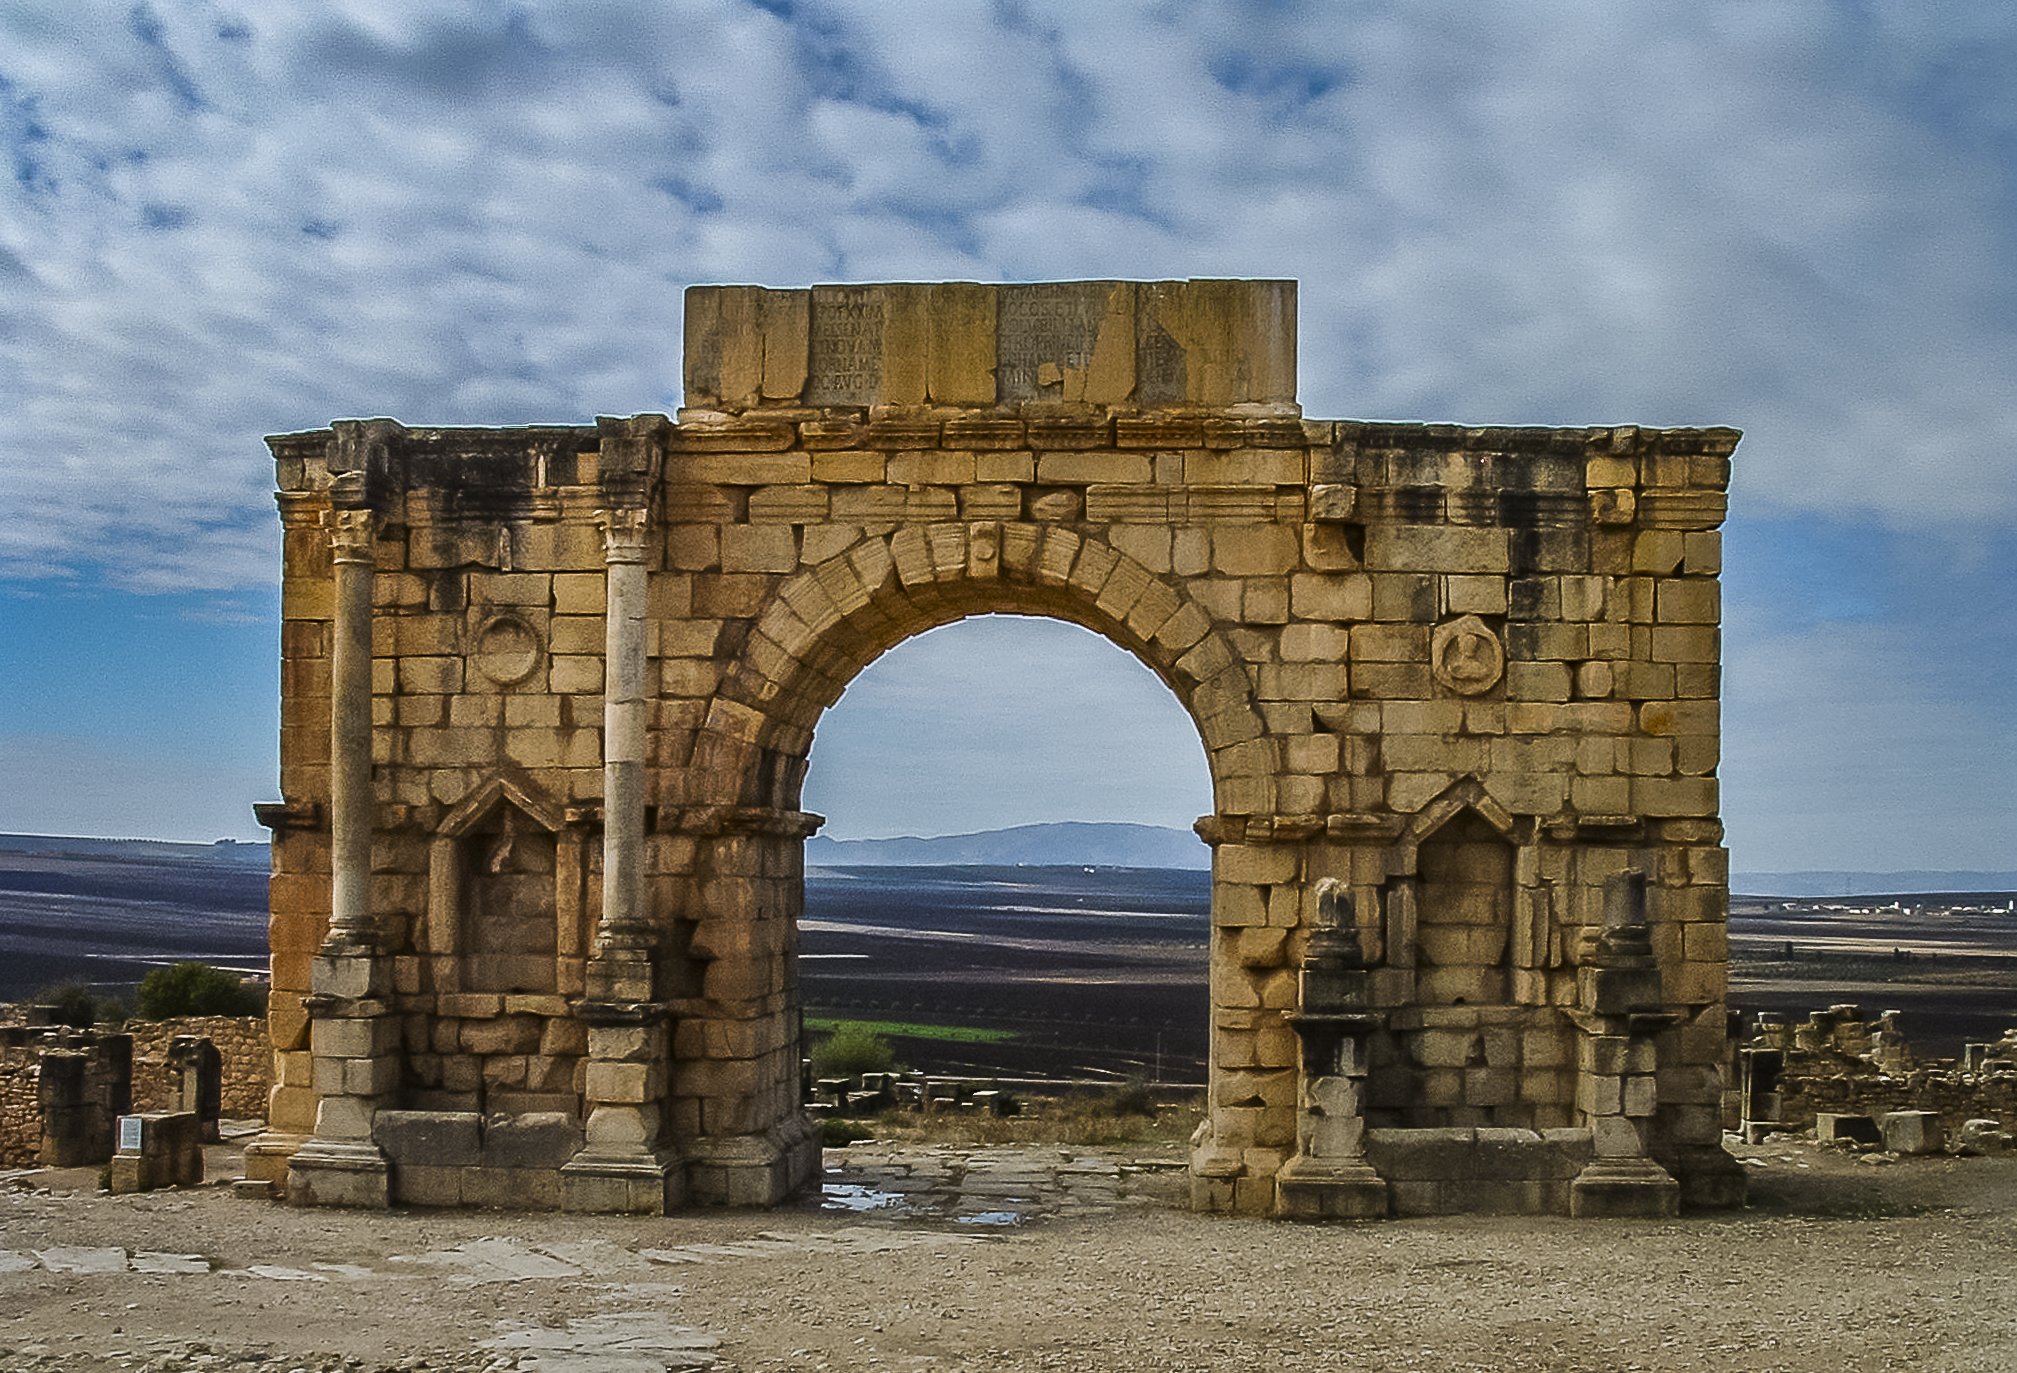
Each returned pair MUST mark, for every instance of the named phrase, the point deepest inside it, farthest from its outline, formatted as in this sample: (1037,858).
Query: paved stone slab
(148,1261)
(622,1342)
(63,1259)
(275,1272)
(494,1260)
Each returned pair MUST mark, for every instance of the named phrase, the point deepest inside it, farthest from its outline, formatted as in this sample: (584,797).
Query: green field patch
(951,1034)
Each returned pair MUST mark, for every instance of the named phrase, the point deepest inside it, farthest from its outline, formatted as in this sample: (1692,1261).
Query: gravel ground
(1840,1263)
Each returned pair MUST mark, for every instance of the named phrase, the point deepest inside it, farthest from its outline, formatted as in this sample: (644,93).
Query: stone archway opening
(1086,970)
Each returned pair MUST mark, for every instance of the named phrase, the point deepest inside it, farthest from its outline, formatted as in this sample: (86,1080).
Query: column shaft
(350,791)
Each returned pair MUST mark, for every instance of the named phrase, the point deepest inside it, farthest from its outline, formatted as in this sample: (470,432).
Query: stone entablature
(1462,682)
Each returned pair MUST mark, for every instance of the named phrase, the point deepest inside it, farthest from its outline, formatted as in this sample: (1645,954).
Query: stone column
(353,1035)
(622,1165)
(1619,1011)
(351,534)
(621,970)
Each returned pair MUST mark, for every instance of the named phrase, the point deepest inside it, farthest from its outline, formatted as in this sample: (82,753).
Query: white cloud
(1790,217)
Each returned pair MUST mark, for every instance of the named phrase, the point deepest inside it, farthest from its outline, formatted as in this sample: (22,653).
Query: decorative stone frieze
(1453,684)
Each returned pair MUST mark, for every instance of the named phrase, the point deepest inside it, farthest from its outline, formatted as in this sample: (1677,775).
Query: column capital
(352,534)
(623,534)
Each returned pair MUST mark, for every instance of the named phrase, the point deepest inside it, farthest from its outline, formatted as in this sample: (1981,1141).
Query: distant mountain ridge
(140,850)
(1071,841)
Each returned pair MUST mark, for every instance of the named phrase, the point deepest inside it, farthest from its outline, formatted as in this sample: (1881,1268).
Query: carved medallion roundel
(507,650)
(1466,656)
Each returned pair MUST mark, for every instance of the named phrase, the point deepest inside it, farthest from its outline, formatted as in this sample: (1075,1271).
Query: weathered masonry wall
(244,1051)
(549,696)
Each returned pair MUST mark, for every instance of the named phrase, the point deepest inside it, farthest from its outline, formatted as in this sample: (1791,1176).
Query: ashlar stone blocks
(1466,675)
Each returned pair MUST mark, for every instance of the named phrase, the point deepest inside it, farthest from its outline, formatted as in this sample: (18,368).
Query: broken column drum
(549,694)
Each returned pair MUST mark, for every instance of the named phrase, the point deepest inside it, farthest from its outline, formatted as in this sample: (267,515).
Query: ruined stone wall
(1813,1085)
(1469,674)
(242,1042)
(20,1107)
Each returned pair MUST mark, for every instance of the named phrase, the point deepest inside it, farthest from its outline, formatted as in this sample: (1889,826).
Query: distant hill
(1827,883)
(138,850)
(1075,842)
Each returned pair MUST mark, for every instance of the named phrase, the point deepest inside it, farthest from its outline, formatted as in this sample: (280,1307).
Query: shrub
(74,1005)
(1131,1098)
(851,1050)
(195,989)
(835,1133)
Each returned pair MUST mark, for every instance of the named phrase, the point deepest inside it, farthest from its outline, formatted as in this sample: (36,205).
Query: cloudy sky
(1799,218)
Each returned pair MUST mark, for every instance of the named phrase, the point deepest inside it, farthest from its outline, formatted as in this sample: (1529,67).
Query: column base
(621,975)
(1622,1188)
(754,1170)
(1710,1178)
(621,1182)
(326,1172)
(1329,1189)
(1215,1173)
(266,1157)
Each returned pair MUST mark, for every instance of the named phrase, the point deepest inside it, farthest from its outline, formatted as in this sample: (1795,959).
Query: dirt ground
(1085,1262)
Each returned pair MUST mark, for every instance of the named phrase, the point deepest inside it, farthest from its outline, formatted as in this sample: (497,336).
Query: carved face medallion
(1466,656)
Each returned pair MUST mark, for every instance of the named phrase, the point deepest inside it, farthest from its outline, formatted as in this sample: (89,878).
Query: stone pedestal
(1624,1187)
(1617,1064)
(1329,1178)
(355,1039)
(267,1157)
(333,1172)
(623,1166)
(755,1170)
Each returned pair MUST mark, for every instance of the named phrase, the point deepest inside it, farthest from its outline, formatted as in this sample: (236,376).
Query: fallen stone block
(1981,1137)
(1912,1132)
(1837,1128)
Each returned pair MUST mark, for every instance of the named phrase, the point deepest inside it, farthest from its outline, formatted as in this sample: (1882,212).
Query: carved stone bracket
(712,821)
(282,816)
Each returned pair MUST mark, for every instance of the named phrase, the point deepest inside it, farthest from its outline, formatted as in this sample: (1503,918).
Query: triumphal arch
(549,695)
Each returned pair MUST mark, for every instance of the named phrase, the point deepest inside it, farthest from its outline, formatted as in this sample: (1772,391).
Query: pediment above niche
(1466,794)
(528,796)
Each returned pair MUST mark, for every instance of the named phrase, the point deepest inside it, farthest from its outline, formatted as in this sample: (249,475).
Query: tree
(195,989)
(73,1003)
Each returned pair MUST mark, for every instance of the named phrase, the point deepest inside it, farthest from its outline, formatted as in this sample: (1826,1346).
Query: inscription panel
(1055,323)
(844,360)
